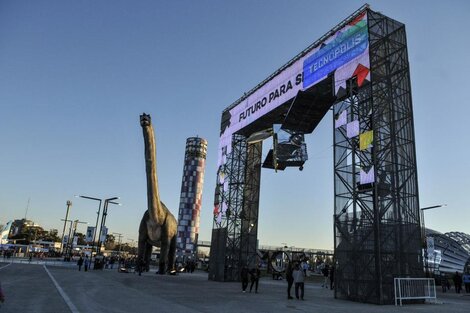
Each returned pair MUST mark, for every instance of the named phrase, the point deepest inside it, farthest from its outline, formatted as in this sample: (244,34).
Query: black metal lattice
(377,217)
(238,208)
(377,223)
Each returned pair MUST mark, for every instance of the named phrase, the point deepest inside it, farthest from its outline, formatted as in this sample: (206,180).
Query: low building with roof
(447,253)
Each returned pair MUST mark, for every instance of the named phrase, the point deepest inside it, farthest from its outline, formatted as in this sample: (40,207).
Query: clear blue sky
(75,75)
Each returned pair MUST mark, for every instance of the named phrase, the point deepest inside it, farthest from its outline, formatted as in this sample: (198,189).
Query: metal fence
(414,289)
(47,262)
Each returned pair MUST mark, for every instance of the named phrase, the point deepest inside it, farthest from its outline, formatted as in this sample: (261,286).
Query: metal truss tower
(234,236)
(377,217)
(377,222)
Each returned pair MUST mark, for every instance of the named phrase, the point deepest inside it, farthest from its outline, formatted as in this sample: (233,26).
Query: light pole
(132,244)
(103,219)
(75,223)
(64,253)
(96,225)
(68,247)
(119,241)
(425,243)
(69,204)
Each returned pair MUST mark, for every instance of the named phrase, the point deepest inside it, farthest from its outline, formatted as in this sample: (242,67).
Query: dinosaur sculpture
(158,226)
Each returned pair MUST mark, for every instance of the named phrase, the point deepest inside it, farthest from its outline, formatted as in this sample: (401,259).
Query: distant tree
(28,234)
(51,235)
(110,242)
(124,247)
(81,239)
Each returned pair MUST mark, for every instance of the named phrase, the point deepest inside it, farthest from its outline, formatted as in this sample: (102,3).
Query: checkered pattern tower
(191,195)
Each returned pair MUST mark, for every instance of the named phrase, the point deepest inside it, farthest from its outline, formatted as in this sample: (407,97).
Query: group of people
(458,280)
(83,261)
(7,254)
(188,266)
(295,275)
(101,262)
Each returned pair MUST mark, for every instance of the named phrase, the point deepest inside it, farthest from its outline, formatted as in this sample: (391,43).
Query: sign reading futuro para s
(342,53)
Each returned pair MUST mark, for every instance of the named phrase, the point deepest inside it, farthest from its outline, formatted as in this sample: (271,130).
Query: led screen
(345,53)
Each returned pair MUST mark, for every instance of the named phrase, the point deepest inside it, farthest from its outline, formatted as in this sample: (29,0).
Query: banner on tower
(89,233)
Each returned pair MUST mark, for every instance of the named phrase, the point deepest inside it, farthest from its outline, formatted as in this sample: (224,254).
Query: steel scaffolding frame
(249,213)
(377,224)
(239,221)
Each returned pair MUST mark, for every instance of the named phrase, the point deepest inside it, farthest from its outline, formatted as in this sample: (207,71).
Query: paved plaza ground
(62,288)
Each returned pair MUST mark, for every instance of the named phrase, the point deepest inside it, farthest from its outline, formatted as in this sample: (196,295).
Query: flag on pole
(104,232)
(89,233)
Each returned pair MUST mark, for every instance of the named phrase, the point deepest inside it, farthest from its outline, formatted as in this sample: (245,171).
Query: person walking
(332,277)
(244,277)
(290,280)
(80,263)
(466,281)
(457,282)
(87,263)
(325,272)
(444,282)
(254,275)
(304,266)
(299,279)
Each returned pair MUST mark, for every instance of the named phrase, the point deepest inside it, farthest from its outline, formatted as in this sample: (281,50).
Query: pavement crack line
(66,298)
(1,268)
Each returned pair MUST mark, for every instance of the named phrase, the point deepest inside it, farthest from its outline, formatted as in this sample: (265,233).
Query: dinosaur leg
(163,256)
(148,255)
(141,251)
(172,254)
(142,243)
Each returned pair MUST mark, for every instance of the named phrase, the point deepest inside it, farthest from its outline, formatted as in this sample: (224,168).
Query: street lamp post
(132,244)
(75,223)
(96,225)
(425,243)
(69,204)
(103,219)
(68,238)
(68,250)
(119,241)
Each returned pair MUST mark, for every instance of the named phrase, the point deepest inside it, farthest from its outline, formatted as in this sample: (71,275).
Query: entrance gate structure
(360,71)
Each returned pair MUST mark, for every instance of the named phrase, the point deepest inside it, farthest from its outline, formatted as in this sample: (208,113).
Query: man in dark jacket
(457,282)
(80,263)
(290,280)
(255,274)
